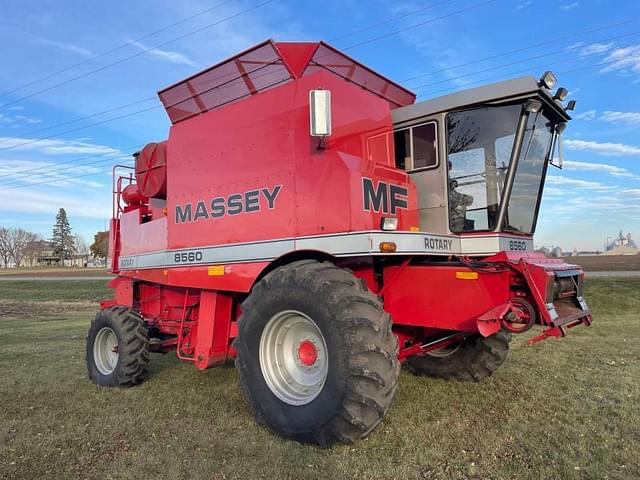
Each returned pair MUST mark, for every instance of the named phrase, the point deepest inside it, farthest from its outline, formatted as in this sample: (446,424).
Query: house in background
(41,253)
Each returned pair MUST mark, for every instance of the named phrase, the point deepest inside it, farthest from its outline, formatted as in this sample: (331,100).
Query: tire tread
(366,327)
(134,347)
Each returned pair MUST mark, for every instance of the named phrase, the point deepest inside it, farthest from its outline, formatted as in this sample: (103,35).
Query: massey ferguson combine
(308,219)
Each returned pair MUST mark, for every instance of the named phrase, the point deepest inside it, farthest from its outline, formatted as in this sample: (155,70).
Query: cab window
(416,147)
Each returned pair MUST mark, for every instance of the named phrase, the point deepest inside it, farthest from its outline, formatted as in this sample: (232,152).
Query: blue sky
(595,195)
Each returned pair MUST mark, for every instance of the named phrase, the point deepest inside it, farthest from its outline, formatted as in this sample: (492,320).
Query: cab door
(417,152)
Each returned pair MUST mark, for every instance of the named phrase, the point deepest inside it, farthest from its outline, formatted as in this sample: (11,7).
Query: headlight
(561,94)
(389,223)
(548,80)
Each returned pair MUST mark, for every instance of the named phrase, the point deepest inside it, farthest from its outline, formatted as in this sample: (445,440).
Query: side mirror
(558,141)
(320,113)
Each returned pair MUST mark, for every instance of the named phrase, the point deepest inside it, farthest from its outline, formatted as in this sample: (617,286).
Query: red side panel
(214,324)
(139,237)
(450,298)
(123,291)
(237,277)
(263,143)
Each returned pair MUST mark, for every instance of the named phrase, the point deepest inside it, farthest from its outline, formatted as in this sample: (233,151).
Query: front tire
(472,359)
(117,348)
(316,355)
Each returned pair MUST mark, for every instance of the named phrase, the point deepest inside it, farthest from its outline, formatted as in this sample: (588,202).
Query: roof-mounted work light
(548,80)
(561,94)
(571,105)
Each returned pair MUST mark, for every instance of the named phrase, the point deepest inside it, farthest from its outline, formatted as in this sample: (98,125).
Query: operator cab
(479,157)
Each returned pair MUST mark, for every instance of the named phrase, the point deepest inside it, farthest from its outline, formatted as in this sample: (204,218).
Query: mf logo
(385,198)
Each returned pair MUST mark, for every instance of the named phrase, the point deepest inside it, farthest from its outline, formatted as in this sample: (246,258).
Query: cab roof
(486,94)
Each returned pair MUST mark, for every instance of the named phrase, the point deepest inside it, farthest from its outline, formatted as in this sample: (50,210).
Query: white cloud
(22,119)
(569,6)
(57,147)
(16,107)
(588,115)
(524,5)
(596,48)
(32,202)
(625,60)
(68,47)
(26,119)
(606,148)
(18,173)
(626,118)
(553,191)
(599,167)
(573,182)
(169,56)
(629,118)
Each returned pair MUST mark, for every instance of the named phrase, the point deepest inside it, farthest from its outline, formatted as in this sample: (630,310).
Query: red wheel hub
(307,353)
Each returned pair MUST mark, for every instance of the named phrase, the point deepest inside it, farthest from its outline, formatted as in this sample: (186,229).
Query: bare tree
(4,246)
(18,239)
(81,245)
(81,249)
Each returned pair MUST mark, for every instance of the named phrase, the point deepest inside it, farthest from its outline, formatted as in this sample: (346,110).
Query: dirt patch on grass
(601,263)
(10,308)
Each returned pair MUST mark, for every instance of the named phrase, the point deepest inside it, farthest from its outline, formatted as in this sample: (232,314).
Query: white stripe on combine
(340,245)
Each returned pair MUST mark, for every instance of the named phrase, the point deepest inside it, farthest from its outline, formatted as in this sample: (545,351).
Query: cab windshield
(480,144)
(525,194)
(479,147)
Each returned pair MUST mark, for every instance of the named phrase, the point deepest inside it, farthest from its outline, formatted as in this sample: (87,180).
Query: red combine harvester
(308,219)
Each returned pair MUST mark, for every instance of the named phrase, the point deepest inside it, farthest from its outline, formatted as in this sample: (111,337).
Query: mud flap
(490,322)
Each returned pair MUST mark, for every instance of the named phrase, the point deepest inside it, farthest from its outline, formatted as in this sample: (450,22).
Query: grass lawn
(563,409)
(54,291)
(54,272)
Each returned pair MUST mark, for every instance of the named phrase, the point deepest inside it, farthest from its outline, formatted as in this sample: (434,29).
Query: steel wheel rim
(105,351)
(290,376)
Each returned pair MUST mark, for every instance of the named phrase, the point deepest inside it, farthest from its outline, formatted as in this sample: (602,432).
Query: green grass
(54,290)
(53,270)
(564,409)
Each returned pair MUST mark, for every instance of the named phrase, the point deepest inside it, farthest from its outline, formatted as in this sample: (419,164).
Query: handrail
(116,188)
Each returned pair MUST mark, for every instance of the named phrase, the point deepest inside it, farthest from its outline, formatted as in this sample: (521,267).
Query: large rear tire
(117,348)
(316,355)
(472,359)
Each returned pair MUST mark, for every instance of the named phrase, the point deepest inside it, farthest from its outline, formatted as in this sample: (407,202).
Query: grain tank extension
(308,219)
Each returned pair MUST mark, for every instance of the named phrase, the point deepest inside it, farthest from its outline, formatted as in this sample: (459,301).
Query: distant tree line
(14,245)
(19,247)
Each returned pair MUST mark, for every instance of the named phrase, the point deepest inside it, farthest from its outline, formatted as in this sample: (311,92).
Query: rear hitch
(560,331)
